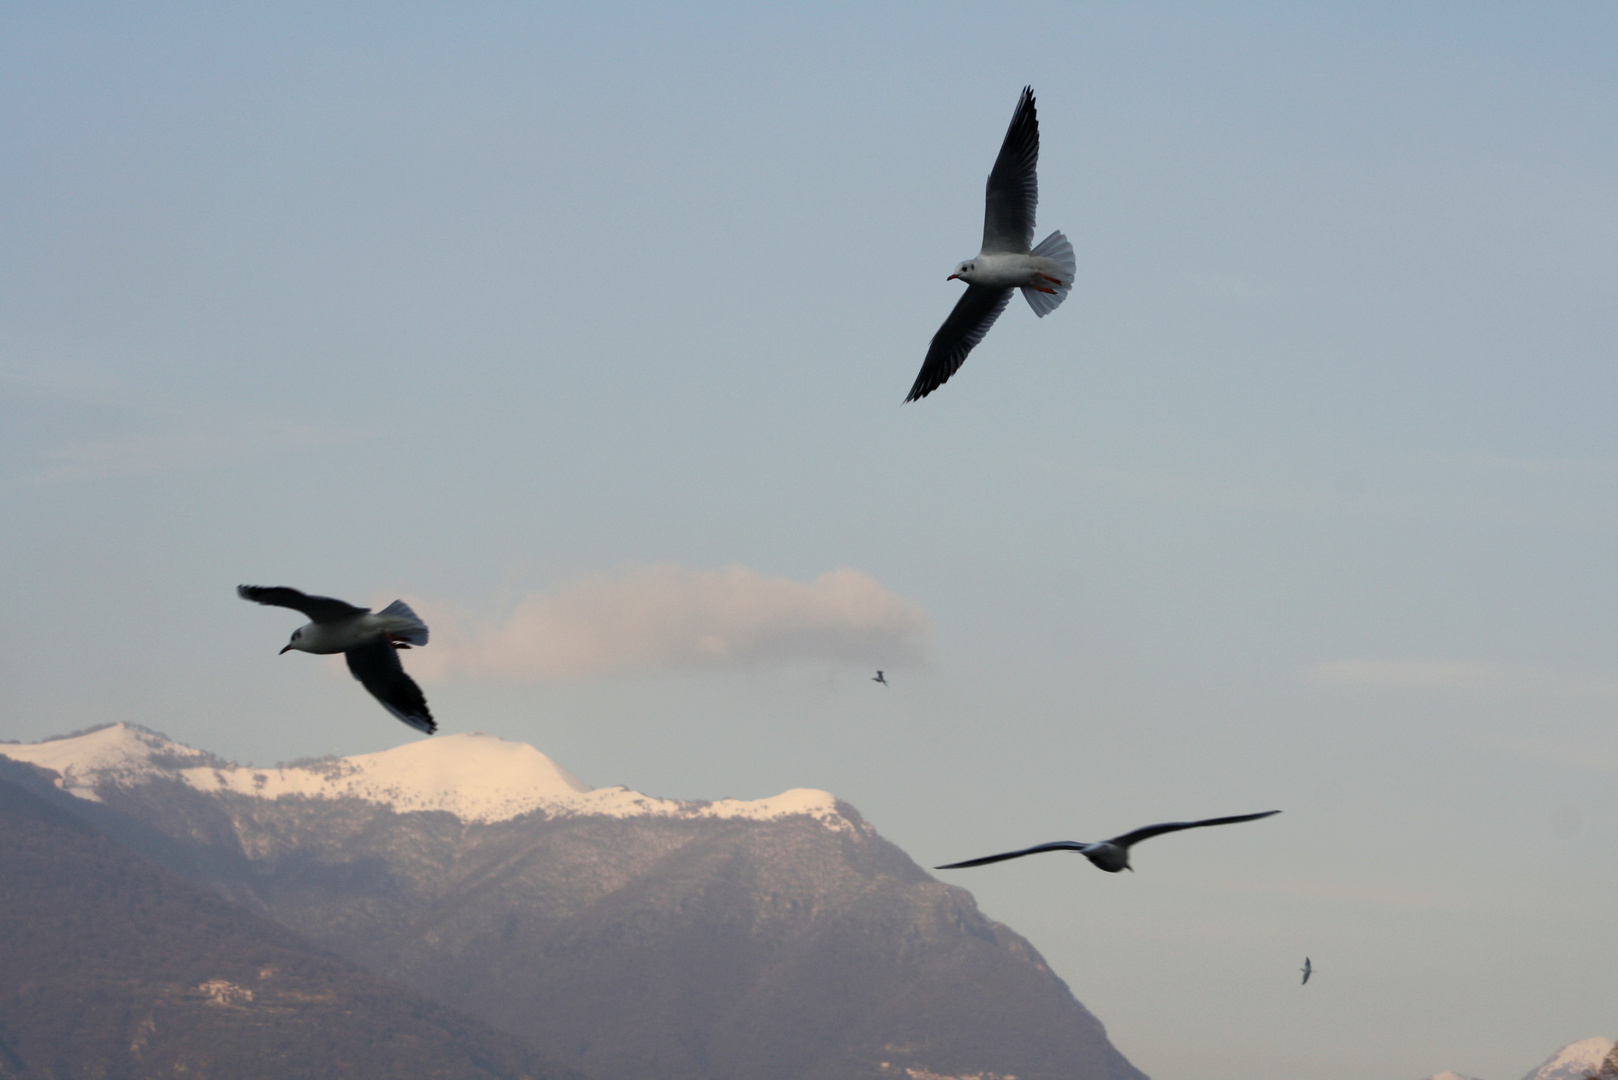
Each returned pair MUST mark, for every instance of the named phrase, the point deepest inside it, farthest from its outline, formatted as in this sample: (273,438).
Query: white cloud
(669,616)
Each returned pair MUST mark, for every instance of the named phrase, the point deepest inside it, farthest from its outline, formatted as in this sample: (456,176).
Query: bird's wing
(1012,193)
(1055,845)
(974,313)
(376,665)
(1175,826)
(318,608)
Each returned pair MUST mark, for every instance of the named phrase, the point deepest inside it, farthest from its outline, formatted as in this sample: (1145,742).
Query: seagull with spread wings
(1044,274)
(1110,855)
(369,642)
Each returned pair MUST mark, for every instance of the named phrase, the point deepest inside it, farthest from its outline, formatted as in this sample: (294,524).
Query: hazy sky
(587,333)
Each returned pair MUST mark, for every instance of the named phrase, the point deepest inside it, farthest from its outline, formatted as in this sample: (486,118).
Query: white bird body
(1014,270)
(396,622)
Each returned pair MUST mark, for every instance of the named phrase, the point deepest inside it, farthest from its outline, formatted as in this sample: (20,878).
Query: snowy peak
(1575,1061)
(116,754)
(477,777)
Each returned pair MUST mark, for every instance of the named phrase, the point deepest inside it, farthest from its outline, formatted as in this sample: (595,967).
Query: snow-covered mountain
(113,967)
(1575,1061)
(477,777)
(631,937)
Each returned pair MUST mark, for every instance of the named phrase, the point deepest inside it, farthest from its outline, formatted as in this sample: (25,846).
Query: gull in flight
(1308,969)
(1044,274)
(368,642)
(1110,855)
(879,677)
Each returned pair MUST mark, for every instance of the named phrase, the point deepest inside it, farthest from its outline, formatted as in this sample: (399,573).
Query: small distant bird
(368,642)
(879,677)
(1044,274)
(1110,855)
(1308,969)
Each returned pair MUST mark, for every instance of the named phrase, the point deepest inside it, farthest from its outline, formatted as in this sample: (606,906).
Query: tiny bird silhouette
(368,642)
(1308,969)
(1110,855)
(879,677)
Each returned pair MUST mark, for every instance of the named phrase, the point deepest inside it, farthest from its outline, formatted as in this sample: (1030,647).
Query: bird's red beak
(287,649)
(952,277)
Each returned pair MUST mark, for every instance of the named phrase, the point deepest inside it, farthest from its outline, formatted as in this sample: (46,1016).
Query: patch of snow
(477,777)
(1575,1061)
(116,754)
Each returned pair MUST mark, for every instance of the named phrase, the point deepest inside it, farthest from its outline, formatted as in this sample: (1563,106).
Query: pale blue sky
(1305,499)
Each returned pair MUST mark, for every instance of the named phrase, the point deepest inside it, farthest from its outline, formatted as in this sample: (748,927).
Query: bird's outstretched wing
(376,665)
(974,313)
(1175,826)
(1012,193)
(318,608)
(1055,845)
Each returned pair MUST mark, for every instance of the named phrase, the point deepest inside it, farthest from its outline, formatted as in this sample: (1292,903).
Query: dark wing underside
(1175,826)
(318,608)
(1055,845)
(974,313)
(376,665)
(1012,194)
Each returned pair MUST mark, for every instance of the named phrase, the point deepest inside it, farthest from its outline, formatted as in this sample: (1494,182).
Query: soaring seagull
(368,642)
(879,677)
(1044,274)
(1110,855)
(1308,969)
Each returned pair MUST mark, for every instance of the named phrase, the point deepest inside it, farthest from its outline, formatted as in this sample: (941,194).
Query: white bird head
(965,271)
(297,641)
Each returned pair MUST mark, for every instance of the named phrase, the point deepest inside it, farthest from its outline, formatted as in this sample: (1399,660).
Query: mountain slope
(633,937)
(1575,1061)
(112,967)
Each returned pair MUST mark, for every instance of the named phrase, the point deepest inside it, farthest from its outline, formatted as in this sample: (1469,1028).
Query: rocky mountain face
(633,938)
(111,967)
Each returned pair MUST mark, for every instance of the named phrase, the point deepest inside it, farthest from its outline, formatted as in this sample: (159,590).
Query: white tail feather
(407,626)
(1055,248)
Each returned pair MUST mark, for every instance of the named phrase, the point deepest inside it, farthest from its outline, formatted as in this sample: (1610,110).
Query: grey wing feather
(376,665)
(1012,193)
(971,318)
(1175,826)
(1056,845)
(318,608)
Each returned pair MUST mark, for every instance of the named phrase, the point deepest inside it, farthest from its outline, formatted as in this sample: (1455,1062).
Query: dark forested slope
(115,969)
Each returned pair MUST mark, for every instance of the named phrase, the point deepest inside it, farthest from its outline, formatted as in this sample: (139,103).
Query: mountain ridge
(112,967)
(475,776)
(634,938)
